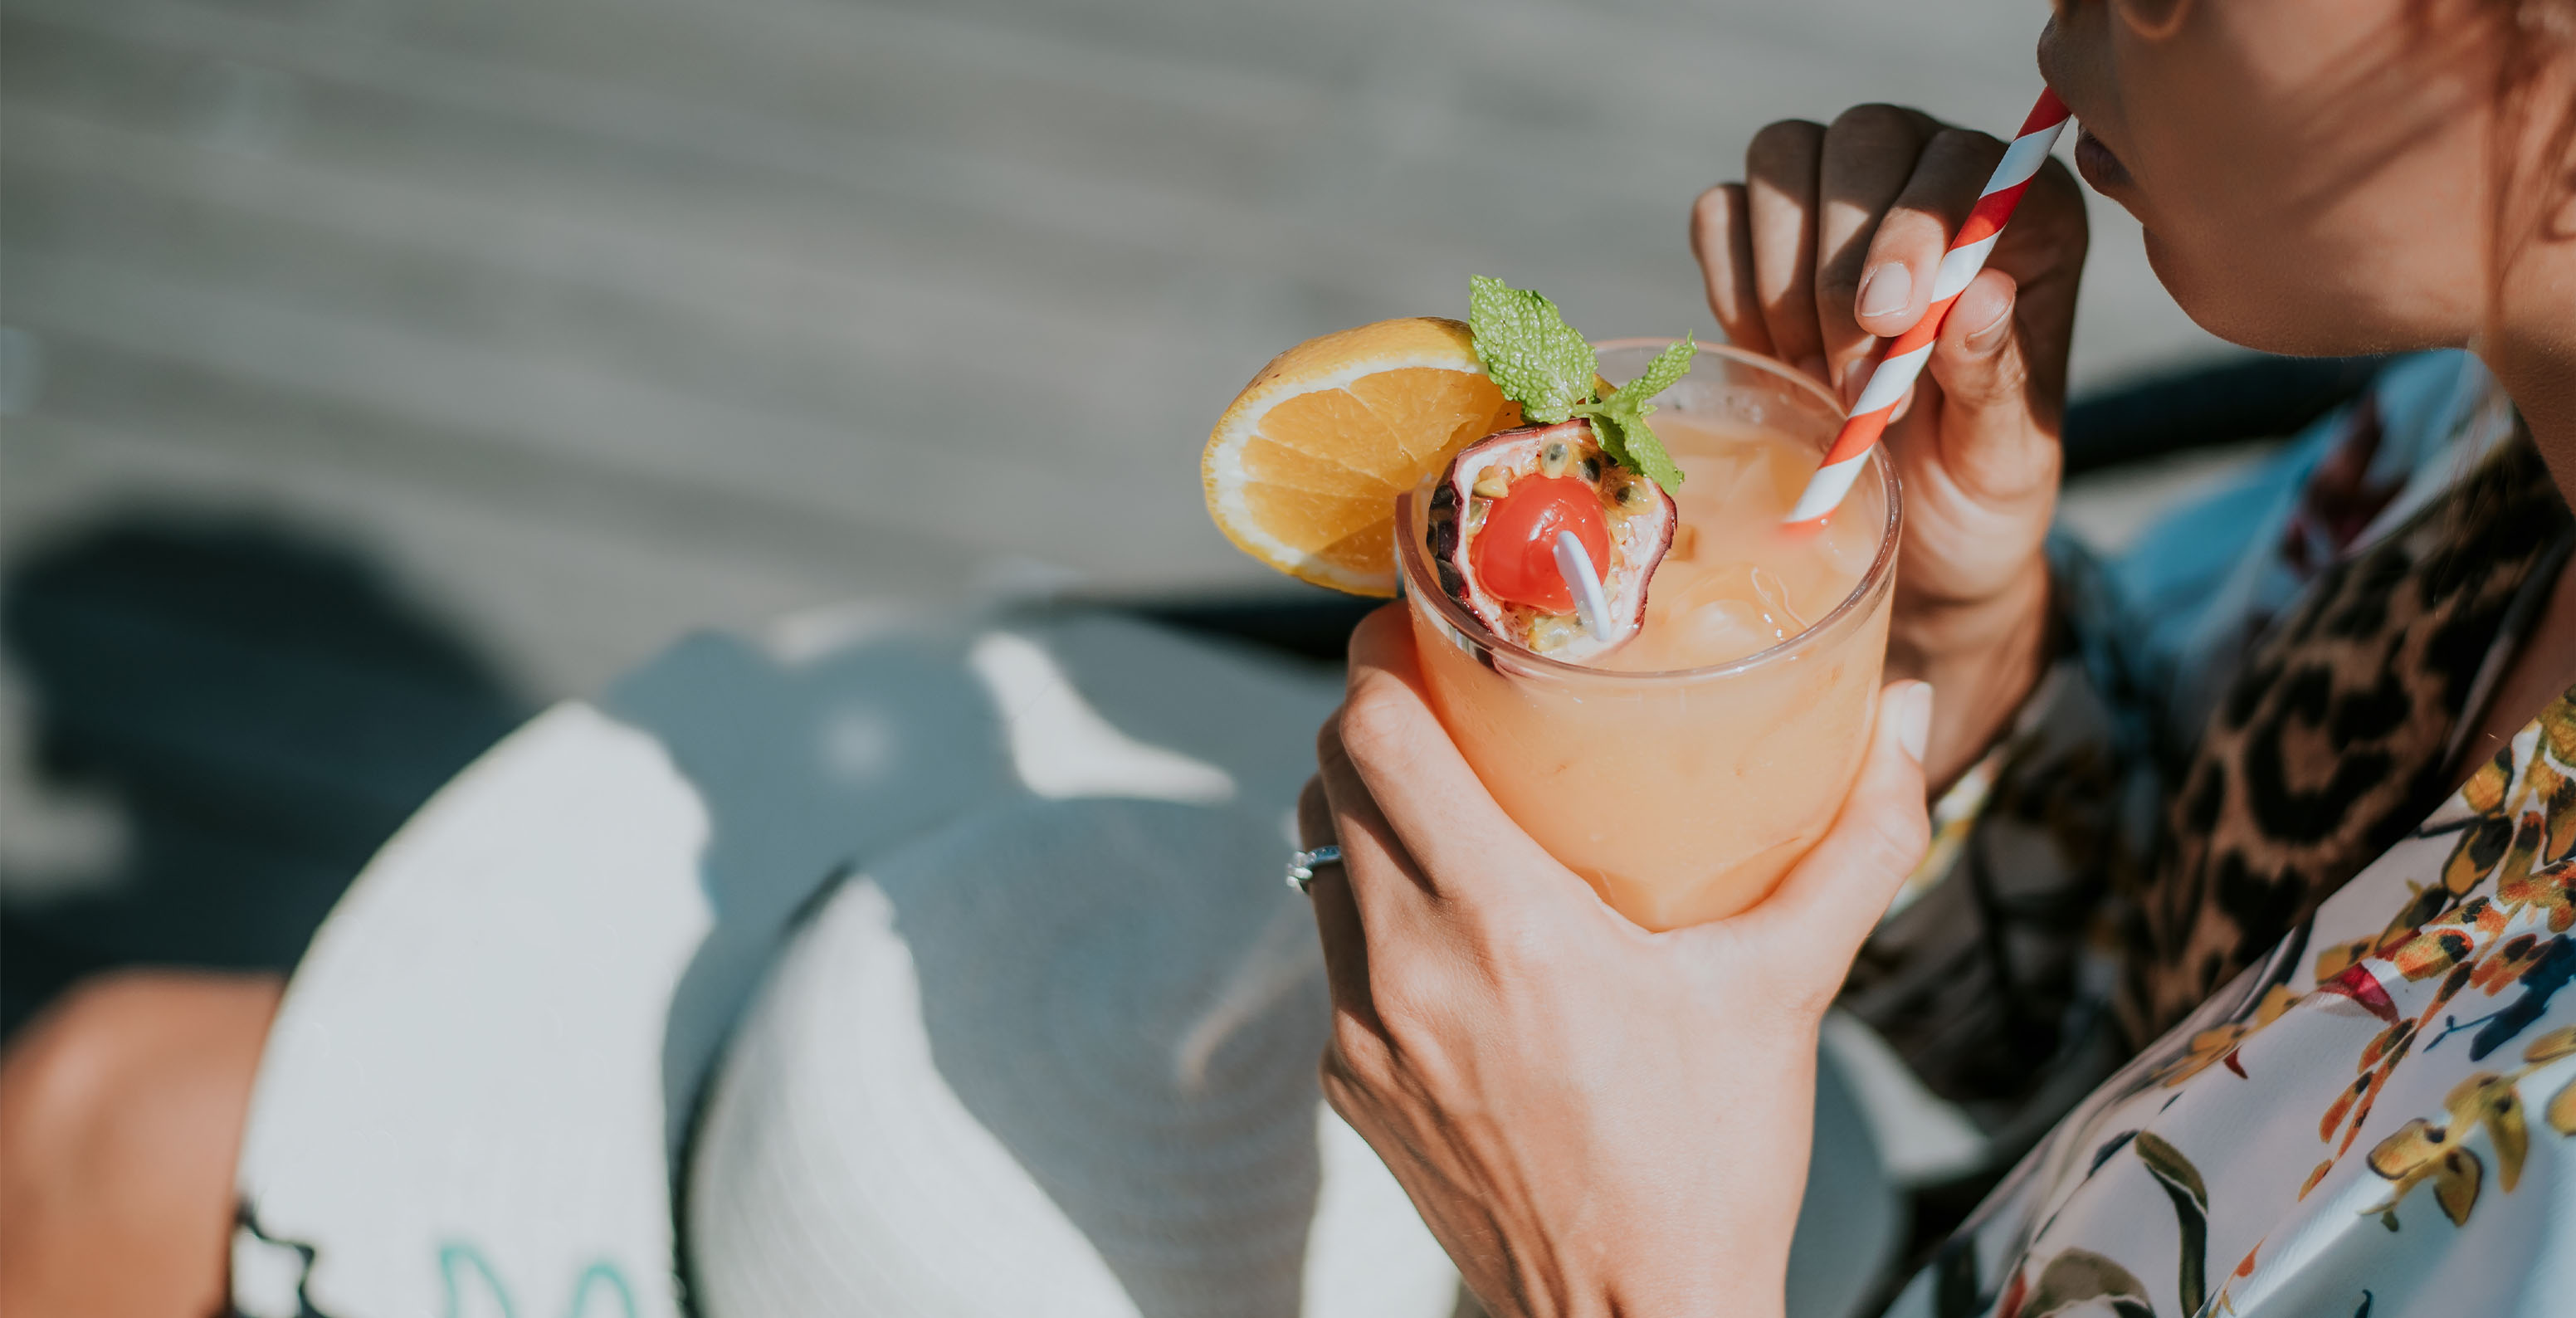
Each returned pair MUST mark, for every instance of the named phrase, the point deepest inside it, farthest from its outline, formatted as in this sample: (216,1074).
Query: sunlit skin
(121,1109)
(1594,1119)
(2348,220)
(1597,1120)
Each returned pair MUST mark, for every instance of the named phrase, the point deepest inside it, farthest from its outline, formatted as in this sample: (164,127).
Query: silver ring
(1301,865)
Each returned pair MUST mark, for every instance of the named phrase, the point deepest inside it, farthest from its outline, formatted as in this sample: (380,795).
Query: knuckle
(1717,218)
(2009,378)
(1399,991)
(1910,229)
(1516,945)
(1414,1011)
(1352,1043)
(1964,144)
(1874,120)
(1838,281)
(1329,750)
(1333,1085)
(1713,209)
(1338,1091)
(1373,725)
(1782,141)
(1348,1093)
(1966,140)
(1897,838)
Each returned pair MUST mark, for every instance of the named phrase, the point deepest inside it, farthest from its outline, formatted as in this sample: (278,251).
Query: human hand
(1592,1119)
(1836,220)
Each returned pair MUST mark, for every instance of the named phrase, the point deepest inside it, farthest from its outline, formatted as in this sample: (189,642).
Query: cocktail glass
(1679,796)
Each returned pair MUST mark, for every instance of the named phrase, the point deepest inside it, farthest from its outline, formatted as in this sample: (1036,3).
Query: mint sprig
(1532,354)
(1619,421)
(1538,361)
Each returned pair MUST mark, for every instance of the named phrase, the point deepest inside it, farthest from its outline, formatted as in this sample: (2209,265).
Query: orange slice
(1303,469)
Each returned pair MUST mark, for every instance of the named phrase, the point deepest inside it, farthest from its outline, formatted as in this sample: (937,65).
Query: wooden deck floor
(592,320)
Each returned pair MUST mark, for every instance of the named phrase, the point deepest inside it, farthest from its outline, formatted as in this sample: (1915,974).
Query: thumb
(1995,443)
(1834,897)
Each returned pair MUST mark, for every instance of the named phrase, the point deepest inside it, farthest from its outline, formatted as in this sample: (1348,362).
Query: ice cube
(1762,480)
(1706,471)
(1726,629)
(1848,545)
(1775,597)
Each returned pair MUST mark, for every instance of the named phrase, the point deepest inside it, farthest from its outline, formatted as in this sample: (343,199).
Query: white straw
(1589,603)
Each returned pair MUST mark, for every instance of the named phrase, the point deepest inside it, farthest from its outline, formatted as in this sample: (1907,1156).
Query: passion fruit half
(1498,511)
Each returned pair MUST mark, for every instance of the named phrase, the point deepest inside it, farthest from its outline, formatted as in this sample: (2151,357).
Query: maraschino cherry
(1515,554)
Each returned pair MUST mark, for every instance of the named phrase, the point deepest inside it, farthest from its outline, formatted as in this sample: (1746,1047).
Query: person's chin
(2240,306)
(2212,300)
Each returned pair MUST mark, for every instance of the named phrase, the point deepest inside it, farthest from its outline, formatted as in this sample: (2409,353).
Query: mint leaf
(1619,421)
(1612,439)
(1534,357)
(1629,439)
(1666,370)
(1538,361)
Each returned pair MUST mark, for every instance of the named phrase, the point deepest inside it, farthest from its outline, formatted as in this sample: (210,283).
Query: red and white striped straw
(1905,354)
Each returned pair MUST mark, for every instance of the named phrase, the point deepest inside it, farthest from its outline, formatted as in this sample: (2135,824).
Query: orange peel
(1303,469)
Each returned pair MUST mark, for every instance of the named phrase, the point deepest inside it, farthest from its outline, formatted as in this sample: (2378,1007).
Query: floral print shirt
(2374,1112)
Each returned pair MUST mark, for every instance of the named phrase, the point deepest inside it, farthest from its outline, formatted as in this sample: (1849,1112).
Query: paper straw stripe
(1825,491)
(1986,218)
(2046,112)
(2021,163)
(1888,379)
(1958,266)
(1859,434)
(1901,360)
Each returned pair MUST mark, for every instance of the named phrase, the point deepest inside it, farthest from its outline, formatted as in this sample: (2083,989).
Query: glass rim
(1419,584)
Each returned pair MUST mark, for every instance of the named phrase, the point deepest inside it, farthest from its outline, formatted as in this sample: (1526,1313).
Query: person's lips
(2096,163)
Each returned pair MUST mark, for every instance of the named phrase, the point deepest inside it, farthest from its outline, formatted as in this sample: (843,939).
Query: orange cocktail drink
(1683,773)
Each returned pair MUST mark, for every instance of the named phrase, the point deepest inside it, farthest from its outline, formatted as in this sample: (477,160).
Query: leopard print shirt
(2165,810)
(2334,739)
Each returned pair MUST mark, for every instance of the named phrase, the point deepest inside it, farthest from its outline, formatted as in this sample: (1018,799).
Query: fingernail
(1914,720)
(1886,289)
(1990,336)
